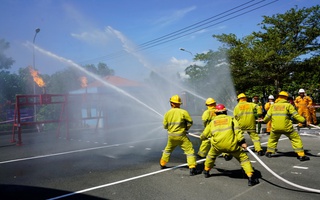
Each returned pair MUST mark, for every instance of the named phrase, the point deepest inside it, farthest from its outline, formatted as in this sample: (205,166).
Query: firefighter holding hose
(177,121)
(207,116)
(226,136)
(280,115)
(244,113)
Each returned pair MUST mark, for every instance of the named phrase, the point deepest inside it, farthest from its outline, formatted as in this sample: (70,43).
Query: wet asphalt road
(117,165)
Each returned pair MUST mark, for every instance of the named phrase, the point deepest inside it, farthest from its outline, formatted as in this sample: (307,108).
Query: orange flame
(37,78)
(84,81)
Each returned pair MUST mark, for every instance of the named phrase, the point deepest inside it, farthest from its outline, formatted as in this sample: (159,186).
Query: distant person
(256,100)
(226,136)
(207,116)
(267,107)
(280,114)
(244,113)
(303,103)
(178,121)
(313,113)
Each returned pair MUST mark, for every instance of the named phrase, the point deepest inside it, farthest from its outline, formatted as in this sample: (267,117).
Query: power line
(189,29)
(185,34)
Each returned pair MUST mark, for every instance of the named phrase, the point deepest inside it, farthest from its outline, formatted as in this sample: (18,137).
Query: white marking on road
(130,179)
(300,167)
(121,181)
(75,151)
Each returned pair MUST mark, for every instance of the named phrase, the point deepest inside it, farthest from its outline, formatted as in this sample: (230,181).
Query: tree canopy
(284,55)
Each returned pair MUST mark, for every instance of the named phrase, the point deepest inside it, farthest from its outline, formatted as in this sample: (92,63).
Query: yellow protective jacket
(208,115)
(244,112)
(224,133)
(268,105)
(303,103)
(177,121)
(280,115)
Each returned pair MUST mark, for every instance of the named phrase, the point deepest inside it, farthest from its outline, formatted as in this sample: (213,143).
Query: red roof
(116,81)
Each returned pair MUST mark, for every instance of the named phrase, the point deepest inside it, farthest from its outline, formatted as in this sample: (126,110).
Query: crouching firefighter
(226,136)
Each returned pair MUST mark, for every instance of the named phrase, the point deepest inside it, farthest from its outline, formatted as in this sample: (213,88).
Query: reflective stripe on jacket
(208,115)
(224,133)
(244,113)
(177,121)
(280,115)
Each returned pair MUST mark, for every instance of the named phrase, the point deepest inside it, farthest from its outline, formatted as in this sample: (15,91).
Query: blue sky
(110,31)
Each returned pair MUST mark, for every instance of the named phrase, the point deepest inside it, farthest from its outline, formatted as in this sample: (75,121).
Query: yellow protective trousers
(204,148)
(313,116)
(294,138)
(304,111)
(240,155)
(269,125)
(255,139)
(185,144)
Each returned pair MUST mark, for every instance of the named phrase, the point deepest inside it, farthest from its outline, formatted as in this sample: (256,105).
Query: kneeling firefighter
(226,136)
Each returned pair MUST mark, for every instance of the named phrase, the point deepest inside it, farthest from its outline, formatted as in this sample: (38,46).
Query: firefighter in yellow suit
(303,103)
(207,116)
(267,107)
(226,136)
(177,121)
(280,114)
(244,113)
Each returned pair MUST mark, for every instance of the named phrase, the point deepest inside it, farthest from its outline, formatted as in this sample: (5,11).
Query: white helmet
(271,97)
(302,91)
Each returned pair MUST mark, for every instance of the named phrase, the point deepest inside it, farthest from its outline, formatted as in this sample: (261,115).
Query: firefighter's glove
(202,137)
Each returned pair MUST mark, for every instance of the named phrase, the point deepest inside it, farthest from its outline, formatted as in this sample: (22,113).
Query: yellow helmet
(175,99)
(210,101)
(242,95)
(283,93)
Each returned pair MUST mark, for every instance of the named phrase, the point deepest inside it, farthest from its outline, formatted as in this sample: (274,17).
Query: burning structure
(91,106)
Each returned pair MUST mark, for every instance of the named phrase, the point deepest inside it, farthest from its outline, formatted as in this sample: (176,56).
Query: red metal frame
(31,100)
(46,99)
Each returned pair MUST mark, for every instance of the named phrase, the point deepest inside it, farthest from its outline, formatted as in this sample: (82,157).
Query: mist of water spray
(130,48)
(98,78)
(222,83)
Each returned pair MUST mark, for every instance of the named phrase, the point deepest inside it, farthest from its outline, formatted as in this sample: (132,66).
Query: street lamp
(182,49)
(34,68)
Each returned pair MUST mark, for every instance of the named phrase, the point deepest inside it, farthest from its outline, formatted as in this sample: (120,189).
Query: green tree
(5,62)
(62,82)
(265,61)
(104,70)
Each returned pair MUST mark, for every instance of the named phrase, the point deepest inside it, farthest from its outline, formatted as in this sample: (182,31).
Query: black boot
(227,157)
(206,174)
(303,158)
(260,153)
(193,171)
(252,181)
(268,154)
(162,167)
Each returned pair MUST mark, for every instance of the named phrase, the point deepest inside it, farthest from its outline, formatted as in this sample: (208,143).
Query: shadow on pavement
(17,192)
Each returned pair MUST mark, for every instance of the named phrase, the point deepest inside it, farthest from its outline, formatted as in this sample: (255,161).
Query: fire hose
(314,126)
(272,172)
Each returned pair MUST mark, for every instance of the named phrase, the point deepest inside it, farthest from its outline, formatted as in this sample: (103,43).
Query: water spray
(272,172)
(130,50)
(70,62)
